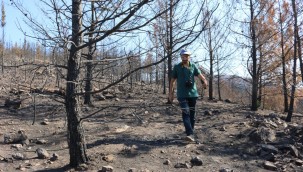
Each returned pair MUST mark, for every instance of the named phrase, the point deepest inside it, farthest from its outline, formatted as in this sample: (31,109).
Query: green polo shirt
(182,74)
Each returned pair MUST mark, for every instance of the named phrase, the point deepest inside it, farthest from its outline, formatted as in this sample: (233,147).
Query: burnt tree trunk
(170,43)
(294,74)
(254,74)
(88,80)
(219,80)
(164,73)
(211,66)
(260,96)
(76,140)
(285,92)
(89,65)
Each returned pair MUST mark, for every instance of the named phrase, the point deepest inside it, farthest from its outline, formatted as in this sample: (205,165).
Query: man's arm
(171,90)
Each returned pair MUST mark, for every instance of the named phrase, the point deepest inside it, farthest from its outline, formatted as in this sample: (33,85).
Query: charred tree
(89,65)
(76,140)
(284,83)
(294,74)
(255,78)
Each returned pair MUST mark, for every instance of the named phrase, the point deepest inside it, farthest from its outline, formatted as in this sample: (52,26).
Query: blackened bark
(88,84)
(285,92)
(259,74)
(211,64)
(164,73)
(255,78)
(89,65)
(157,66)
(294,74)
(76,140)
(170,43)
(219,85)
(298,40)
(300,55)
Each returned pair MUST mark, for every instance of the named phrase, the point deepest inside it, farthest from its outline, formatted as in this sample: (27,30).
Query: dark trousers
(188,107)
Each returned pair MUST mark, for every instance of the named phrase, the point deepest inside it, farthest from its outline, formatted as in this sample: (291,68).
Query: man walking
(187,93)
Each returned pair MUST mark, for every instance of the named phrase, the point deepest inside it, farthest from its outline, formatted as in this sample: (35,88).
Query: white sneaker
(189,138)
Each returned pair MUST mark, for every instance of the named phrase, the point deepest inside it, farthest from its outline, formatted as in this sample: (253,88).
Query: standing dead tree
(89,65)
(297,53)
(284,19)
(3,23)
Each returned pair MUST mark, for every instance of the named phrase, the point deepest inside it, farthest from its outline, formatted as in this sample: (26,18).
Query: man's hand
(170,97)
(204,84)
(171,91)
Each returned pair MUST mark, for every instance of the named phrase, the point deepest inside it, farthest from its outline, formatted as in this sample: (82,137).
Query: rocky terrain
(138,131)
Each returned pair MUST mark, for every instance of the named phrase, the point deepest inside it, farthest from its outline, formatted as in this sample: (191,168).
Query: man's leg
(186,115)
(192,111)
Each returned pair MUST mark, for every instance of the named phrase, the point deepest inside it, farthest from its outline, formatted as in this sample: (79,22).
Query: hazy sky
(13,34)
(13,16)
